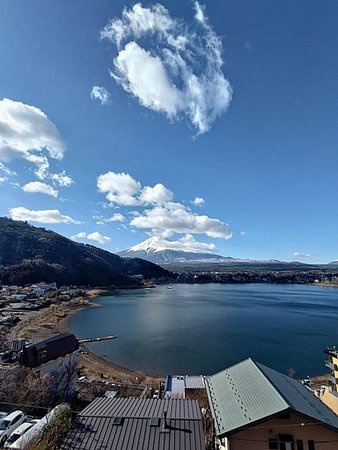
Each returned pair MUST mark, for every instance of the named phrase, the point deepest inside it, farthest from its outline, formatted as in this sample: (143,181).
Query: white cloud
(180,74)
(145,76)
(101,94)
(41,216)
(200,13)
(42,163)
(26,132)
(6,170)
(117,217)
(42,188)
(198,201)
(119,188)
(157,195)
(299,255)
(177,218)
(186,243)
(242,233)
(25,128)
(95,236)
(165,216)
(61,179)
(2,179)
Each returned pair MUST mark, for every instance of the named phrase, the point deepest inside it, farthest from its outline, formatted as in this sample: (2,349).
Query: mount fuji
(162,251)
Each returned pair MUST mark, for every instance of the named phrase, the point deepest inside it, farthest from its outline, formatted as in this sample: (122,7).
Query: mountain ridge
(30,254)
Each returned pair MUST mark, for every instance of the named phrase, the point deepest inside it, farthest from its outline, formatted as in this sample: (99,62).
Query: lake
(201,329)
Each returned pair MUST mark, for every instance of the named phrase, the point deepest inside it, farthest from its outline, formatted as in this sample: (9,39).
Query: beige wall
(257,438)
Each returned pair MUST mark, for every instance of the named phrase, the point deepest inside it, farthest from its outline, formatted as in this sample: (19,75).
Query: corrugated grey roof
(94,429)
(249,392)
(299,398)
(194,382)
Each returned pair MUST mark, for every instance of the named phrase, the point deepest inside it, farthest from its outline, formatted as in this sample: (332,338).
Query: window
(273,444)
(118,420)
(16,419)
(311,445)
(300,445)
(42,354)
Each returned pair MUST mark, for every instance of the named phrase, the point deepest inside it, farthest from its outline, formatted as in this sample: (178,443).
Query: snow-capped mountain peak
(151,245)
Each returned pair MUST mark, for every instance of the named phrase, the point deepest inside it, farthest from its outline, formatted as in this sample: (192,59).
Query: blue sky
(251,128)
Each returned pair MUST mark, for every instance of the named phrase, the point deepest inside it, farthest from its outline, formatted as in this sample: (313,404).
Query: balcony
(329,365)
(332,380)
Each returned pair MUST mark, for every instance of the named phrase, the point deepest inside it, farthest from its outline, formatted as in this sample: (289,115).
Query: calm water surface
(201,329)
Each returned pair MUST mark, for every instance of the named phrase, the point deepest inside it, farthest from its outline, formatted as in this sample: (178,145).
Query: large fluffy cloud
(178,218)
(179,72)
(26,132)
(40,216)
(25,129)
(95,236)
(120,188)
(36,187)
(162,215)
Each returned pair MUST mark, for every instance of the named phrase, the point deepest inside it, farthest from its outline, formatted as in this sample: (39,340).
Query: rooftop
(249,392)
(137,424)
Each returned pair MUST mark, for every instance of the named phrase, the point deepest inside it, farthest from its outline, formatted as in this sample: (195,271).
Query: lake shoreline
(55,319)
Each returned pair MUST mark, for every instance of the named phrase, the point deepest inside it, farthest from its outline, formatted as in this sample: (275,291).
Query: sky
(213,125)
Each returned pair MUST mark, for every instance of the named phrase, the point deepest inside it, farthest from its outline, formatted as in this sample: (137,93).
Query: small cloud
(2,179)
(298,255)
(248,46)
(117,217)
(100,94)
(41,216)
(95,236)
(35,187)
(198,201)
(61,179)
(242,233)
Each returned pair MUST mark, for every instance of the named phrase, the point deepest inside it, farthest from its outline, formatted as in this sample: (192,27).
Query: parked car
(18,433)
(3,415)
(10,423)
(156,394)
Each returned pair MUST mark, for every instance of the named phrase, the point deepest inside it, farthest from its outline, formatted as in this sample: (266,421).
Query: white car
(156,394)
(10,423)
(18,433)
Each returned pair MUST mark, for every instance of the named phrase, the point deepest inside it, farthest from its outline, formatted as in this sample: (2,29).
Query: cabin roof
(128,423)
(248,392)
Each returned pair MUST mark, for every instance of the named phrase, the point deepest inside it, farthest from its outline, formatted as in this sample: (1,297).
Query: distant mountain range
(160,251)
(29,254)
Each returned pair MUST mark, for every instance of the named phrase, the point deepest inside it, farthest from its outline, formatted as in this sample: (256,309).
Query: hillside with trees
(30,254)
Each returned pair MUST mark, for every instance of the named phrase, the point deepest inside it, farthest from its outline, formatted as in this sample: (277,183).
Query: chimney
(165,427)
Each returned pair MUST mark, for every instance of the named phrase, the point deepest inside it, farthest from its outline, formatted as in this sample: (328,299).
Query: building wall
(330,398)
(257,437)
(334,372)
(64,372)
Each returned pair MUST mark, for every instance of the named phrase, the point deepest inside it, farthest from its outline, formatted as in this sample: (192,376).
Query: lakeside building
(137,424)
(255,407)
(183,386)
(57,356)
(329,394)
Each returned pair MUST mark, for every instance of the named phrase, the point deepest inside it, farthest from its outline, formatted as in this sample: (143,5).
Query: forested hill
(29,254)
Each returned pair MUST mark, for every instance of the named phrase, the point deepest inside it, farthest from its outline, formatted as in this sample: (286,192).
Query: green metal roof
(248,392)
